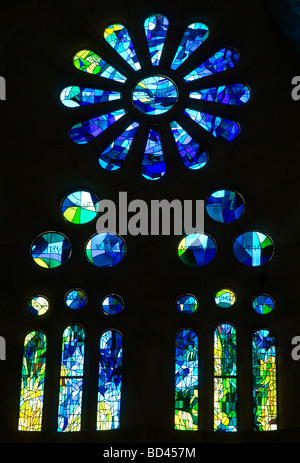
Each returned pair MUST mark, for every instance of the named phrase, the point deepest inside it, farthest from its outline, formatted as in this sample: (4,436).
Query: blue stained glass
(197,249)
(215,125)
(114,156)
(193,155)
(112,304)
(225,206)
(75,299)
(119,39)
(105,249)
(50,250)
(71,379)
(80,207)
(90,62)
(187,303)
(236,94)
(155,95)
(222,60)
(110,381)
(186,381)
(74,96)
(263,304)
(156,27)
(153,164)
(88,130)
(253,248)
(193,37)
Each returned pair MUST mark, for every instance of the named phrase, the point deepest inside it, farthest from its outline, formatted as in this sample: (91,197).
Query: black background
(40,165)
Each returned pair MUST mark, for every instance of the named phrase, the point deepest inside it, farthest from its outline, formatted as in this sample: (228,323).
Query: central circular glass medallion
(155,95)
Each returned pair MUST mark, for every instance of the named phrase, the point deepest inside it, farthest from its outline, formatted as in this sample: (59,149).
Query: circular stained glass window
(38,305)
(253,248)
(112,304)
(225,298)
(50,250)
(263,304)
(187,303)
(80,207)
(155,95)
(197,249)
(75,299)
(225,206)
(105,249)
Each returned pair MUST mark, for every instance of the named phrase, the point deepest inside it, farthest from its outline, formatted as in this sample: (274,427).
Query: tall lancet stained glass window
(110,380)
(167,88)
(71,379)
(264,381)
(186,380)
(225,381)
(32,382)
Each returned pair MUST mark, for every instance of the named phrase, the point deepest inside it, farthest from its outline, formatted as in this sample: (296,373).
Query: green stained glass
(225,390)
(186,381)
(264,381)
(32,382)
(90,62)
(80,207)
(50,250)
(263,304)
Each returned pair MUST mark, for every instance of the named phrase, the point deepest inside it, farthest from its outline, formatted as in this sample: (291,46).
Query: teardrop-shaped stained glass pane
(156,27)
(222,60)
(88,61)
(253,248)
(193,37)
(119,39)
(215,125)
(74,96)
(192,154)
(225,206)
(153,164)
(236,94)
(114,156)
(105,249)
(85,131)
(80,207)
(197,249)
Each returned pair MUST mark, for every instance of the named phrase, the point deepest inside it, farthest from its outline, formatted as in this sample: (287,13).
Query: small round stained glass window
(75,299)
(197,249)
(225,206)
(38,305)
(253,248)
(80,207)
(112,304)
(155,95)
(187,303)
(105,249)
(50,250)
(263,304)
(225,298)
